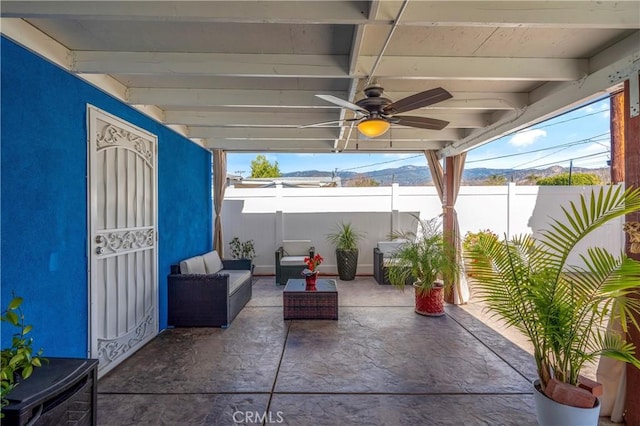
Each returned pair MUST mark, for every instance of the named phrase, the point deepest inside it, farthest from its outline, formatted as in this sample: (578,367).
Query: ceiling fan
(375,114)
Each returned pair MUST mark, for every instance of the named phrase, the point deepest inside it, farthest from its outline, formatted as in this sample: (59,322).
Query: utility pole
(570,170)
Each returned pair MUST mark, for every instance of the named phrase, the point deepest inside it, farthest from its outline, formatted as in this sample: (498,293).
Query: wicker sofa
(206,291)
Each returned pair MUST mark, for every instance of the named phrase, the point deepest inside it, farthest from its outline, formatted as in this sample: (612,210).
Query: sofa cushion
(296,247)
(212,262)
(293,260)
(193,265)
(390,261)
(236,278)
(390,247)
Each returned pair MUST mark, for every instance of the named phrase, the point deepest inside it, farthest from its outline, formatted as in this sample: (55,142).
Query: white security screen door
(122,238)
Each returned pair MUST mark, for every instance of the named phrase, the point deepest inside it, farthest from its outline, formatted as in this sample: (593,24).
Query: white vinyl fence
(269,215)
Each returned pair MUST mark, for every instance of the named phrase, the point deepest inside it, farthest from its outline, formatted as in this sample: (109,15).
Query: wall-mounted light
(373,127)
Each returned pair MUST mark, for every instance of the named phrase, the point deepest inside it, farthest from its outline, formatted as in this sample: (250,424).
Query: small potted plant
(428,263)
(242,250)
(18,360)
(345,239)
(563,308)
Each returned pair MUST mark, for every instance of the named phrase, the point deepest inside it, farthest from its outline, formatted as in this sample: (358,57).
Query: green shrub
(576,179)
(471,238)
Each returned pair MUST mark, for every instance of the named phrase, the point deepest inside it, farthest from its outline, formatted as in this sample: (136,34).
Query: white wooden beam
(316,133)
(230,98)
(473,100)
(540,14)
(168,97)
(253,119)
(327,66)
(386,146)
(209,64)
(292,145)
(397,133)
(283,12)
(296,119)
(475,68)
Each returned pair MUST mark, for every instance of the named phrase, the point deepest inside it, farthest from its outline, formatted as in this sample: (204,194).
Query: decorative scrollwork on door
(111,135)
(114,242)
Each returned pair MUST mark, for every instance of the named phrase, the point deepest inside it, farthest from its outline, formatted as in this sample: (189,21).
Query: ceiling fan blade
(420,122)
(328,123)
(342,103)
(419,100)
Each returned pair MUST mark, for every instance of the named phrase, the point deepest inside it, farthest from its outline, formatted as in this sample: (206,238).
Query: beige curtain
(219,186)
(460,287)
(612,374)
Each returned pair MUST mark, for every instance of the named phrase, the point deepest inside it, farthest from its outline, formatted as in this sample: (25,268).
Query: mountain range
(420,175)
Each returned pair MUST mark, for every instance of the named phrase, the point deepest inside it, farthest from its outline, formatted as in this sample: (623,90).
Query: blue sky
(581,135)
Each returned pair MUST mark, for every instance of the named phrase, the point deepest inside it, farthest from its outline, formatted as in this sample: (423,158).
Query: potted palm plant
(345,239)
(427,262)
(561,307)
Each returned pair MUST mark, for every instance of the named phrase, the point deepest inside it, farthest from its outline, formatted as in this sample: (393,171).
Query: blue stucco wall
(43,173)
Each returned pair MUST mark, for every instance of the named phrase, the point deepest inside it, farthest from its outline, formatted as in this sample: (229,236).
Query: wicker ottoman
(319,304)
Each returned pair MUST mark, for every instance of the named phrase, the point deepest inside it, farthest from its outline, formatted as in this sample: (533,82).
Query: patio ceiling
(242,75)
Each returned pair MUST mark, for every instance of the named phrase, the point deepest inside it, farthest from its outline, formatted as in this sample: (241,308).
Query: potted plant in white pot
(563,308)
(427,262)
(345,239)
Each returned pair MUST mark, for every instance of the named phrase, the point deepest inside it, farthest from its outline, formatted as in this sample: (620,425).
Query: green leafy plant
(426,258)
(560,307)
(345,237)
(576,179)
(18,360)
(471,238)
(469,242)
(242,250)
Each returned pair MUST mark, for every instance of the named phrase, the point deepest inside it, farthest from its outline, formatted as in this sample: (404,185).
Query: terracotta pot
(552,413)
(430,302)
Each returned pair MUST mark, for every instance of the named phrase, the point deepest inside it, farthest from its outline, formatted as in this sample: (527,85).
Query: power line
(564,121)
(568,159)
(592,139)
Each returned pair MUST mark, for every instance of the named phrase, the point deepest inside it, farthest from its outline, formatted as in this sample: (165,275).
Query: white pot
(551,413)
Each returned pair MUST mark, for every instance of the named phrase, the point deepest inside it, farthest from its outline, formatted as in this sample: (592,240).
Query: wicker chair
(382,256)
(290,259)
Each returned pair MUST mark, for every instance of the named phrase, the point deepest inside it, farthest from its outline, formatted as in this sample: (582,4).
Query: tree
(576,179)
(532,179)
(262,168)
(496,180)
(362,180)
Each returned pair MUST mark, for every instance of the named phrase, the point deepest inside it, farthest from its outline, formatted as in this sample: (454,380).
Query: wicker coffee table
(299,303)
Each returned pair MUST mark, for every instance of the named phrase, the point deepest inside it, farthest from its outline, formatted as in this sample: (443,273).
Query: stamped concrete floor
(379,364)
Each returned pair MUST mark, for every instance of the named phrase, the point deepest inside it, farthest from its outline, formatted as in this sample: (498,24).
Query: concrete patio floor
(379,364)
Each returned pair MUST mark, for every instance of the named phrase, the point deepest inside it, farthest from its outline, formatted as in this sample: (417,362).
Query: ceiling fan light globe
(373,127)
